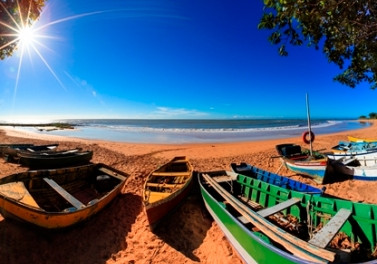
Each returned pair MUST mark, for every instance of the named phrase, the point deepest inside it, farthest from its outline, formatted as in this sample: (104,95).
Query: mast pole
(309,125)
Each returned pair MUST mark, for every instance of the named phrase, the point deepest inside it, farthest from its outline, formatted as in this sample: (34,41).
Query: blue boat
(275,179)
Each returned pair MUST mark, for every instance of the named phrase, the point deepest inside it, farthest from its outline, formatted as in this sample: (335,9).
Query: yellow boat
(368,140)
(165,188)
(59,198)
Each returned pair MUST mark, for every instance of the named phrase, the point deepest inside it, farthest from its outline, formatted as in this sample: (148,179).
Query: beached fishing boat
(10,151)
(354,150)
(273,178)
(57,159)
(270,224)
(299,160)
(165,188)
(356,139)
(358,169)
(4,146)
(59,198)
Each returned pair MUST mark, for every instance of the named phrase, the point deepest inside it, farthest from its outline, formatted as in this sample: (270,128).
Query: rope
(309,220)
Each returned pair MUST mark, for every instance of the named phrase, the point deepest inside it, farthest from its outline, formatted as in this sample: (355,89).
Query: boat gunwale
(116,189)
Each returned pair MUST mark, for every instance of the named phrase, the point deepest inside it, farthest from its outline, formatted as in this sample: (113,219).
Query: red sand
(120,233)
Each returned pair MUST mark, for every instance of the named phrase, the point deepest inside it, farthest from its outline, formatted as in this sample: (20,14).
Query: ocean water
(198,131)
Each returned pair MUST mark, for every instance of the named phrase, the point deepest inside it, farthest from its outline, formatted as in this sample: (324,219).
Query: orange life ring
(307,139)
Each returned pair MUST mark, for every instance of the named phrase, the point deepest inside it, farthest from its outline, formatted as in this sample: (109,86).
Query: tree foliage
(15,14)
(346,31)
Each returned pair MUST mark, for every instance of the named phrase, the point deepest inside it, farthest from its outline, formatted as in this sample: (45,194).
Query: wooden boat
(273,178)
(165,188)
(270,224)
(358,169)
(300,161)
(57,159)
(10,152)
(4,148)
(354,150)
(356,139)
(59,198)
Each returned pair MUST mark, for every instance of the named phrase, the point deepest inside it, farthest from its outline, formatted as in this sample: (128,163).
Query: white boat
(357,168)
(365,153)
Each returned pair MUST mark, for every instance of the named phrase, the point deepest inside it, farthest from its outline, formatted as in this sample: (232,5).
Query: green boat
(270,224)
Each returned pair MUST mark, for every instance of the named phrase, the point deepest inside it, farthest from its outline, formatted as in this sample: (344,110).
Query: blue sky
(168,59)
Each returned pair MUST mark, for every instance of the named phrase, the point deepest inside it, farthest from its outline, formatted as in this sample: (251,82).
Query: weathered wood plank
(18,191)
(111,173)
(243,220)
(278,207)
(164,185)
(172,173)
(67,196)
(323,237)
(222,178)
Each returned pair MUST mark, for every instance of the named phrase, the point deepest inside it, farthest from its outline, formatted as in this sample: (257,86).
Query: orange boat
(59,198)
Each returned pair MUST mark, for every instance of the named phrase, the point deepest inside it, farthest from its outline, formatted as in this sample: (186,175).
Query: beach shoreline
(120,233)
(193,131)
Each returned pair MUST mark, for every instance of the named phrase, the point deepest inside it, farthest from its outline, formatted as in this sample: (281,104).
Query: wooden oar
(293,244)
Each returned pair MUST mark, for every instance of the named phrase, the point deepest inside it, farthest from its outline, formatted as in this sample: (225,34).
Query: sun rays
(21,36)
(24,35)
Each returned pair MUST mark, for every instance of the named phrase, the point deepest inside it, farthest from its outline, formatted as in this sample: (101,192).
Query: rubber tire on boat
(306,138)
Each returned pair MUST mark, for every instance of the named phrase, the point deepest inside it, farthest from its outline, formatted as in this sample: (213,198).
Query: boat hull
(157,211)
(50,219)
(368,157)
(355,139)
(37,161)
(166,188)
(239,208)
(253,247)
(316,170)
(357,172)
(300,161)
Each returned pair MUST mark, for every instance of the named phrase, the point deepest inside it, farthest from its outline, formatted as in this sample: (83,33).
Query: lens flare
(26,36)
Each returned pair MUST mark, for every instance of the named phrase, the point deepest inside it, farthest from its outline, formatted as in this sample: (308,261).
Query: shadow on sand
(186,228)
(93,241)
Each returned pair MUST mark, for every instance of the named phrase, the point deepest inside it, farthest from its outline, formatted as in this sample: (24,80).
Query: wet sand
(120,233)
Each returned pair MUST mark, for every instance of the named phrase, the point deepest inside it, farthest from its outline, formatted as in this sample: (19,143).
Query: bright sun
(26,36)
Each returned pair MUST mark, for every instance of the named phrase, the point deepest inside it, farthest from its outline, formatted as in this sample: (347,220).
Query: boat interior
(317,222)
(60,190)
(166,180)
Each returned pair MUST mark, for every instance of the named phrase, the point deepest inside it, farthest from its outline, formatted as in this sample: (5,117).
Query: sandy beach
(120,233)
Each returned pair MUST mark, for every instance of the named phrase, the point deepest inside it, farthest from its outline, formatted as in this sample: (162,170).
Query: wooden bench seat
(153,184)
(323,237)
(278,207)
(67,196)
(157,196)
(18,191)
(171,173)
(222,178)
